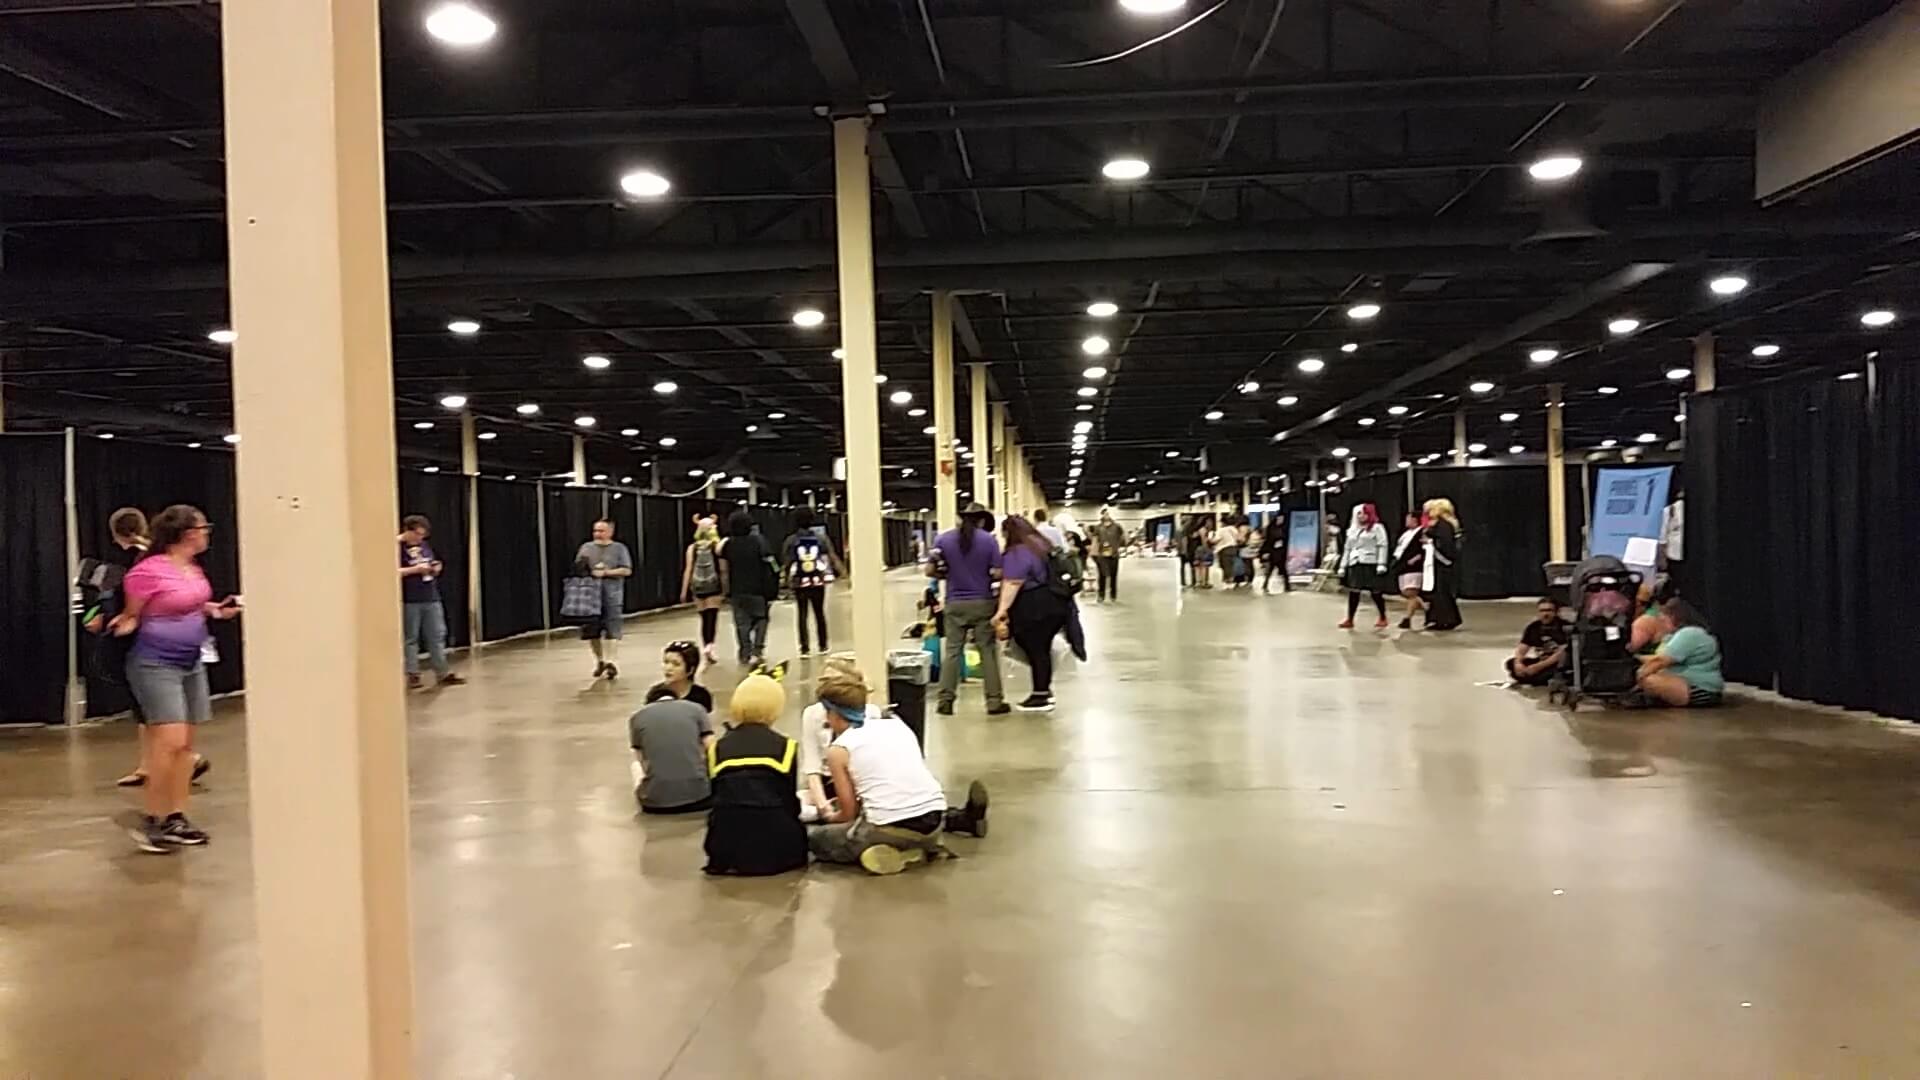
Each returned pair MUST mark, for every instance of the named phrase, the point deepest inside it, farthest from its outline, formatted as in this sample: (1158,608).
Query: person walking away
(967,557)
(167,605)
(670,737)
(752,582)
(1273,554)
(1543,646)
(611,564)
(1245,555)
(1109,540)
(754,828)
(700,583)
(1029,610)
(424,617)
(1409,557)
(1203,554)
(1363,566)
(679,663)
(810,563)
(1047,528)
(1226,550)
(1440,574)
(889,812)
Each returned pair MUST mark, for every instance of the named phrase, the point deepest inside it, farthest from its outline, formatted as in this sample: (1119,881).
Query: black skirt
(1366,577)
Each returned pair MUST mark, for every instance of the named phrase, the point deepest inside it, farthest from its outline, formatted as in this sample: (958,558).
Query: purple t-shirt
(969,573)
(1025,565)
(173,625)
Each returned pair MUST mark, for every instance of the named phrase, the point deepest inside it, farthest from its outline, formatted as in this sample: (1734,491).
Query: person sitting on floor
(1648,626)
(1543,646)
(670,736)
(1685,673)
(754,829)
(679,663)
(888,811)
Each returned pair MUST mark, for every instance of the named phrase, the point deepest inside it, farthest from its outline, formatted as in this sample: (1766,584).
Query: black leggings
(815,597)
(709,625)
(1353,603)
(1286,583)
(1036,640)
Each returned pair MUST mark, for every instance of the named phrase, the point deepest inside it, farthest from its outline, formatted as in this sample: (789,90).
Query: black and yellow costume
(754,828)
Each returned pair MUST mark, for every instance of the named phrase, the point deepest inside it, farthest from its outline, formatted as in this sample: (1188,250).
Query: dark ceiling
(1307,155)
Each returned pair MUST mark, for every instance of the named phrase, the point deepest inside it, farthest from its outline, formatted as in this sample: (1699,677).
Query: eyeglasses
(204,527)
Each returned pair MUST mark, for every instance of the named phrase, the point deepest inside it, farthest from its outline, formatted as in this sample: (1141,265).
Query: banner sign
(1628,505)
(1303,541)
(1163,538)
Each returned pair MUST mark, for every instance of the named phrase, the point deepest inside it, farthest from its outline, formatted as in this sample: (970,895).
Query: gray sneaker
(150,836)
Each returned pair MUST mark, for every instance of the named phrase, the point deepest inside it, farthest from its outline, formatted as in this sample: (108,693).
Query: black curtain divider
(1729,541)
(442,499)
(1893,540)
(510,558)
(624,508)
(665,530)
(33,578)
(1387,491)
(1503,525)
(571,512)
(112,474)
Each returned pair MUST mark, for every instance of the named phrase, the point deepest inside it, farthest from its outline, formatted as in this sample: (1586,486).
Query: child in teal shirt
(1685,672)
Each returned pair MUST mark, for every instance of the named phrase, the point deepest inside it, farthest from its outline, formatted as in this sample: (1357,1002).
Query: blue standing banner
(1628,505)
(1303,541)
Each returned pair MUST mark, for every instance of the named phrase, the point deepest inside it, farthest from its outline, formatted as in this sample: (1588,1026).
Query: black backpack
(1063,572)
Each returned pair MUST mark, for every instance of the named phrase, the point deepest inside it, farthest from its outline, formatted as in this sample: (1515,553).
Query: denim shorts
(168,694)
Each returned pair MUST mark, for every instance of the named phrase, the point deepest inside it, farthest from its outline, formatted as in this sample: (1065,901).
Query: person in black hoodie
(754,828)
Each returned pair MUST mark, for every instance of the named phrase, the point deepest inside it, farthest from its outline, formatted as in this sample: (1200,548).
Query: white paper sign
(1642,551)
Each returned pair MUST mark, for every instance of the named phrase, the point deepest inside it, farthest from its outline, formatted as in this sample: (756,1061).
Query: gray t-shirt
(612,555)
(668,735)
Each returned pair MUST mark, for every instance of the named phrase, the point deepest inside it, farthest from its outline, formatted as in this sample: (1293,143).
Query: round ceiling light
(1609,391)
(645,184)
(596,362)
(630,432)
(423,425)
(1764,351)
(1877,318)
(1728,285)
(1397,410)
(1103,309)
(1082,427)
(454,401)
(900,397)
(1477,448)
(1215,414)
(839,354)
(584,421)
(1481,387)
(666,386)
(488,435)
(1096,346)
(1083,407)
(461,25)
(1341,451)
(1677,373)
(916,412)
(1646,437)
(776,416)
(669,442)
(527,408)
(1363,312)
(1095,372)
(808,318)
(1350,347)
(1288,401)
(1623,326)
(1088,391)
(463,327)
(222,336)
(1152,7)
(880,380)
(1516,448)
(1249,387)
(1543,356)
(1367,421)
(1125,168)
(1509,417)
(1555,167)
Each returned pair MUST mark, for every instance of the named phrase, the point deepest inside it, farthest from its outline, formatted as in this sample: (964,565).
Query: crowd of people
(1673,653)
(1023,592)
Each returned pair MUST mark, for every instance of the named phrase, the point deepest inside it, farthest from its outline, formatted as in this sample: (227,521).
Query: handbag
(580,598)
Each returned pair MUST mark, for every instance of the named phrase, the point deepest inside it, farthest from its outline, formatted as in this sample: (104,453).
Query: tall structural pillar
(470,471)
(1000,456)
(853,214)
(1704,376)
(313,398)
(579,461)
(1556,476)
(946,479)
(1460,436)
(977,410)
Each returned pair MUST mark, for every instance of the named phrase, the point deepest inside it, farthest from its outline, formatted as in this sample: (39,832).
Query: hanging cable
(1150,42)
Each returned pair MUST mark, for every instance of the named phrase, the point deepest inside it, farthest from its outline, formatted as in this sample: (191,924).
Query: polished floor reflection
(1247,845)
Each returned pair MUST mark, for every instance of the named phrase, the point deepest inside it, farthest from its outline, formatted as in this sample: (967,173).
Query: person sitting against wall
(888,811)
(1648,626)
(669,736)
(754,828)
(1685,672)
(1543,647)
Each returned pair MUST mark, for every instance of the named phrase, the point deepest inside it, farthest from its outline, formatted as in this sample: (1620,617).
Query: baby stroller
(1604,594)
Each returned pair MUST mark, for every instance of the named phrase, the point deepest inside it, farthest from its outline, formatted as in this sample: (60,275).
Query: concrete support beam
(945,466)
(980,441)
(1556,475)
(853,216)
(1704,375)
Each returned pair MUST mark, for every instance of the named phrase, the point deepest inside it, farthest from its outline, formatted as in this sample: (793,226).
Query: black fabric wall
(442,497)
(111,474)
(1503,524)
(510,558)
(34,591)
(1803,524)
(1387,491)
(665,530)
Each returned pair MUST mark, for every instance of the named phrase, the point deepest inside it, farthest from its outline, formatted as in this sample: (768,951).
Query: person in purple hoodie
(166,608)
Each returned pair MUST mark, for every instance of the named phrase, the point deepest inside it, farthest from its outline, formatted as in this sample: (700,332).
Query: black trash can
(908,673)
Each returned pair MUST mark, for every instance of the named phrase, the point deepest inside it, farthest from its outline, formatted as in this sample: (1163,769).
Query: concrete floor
(1247,845)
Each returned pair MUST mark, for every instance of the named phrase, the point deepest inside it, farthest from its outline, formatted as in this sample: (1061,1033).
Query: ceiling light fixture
(1216,414)
(454,401)
(776,416)
(488,436)
(1126,168)
(1096,346)
(916,412)
(900,397)
(1609,391)
(1477,448)
(1350,347)
(645,184)
(1083,407)
(1249,387)
(1152,7)
(1677,373)
(1363,312)
(1623,326)
(222,336)
(839,354)
(879,380)
(431,468)
(1764,351)
(1312,365)
(584,421)
(1082,427)
(1397,410)
(1646,437)
(1608,444)
(751,428)
(669,442)
(1103,309)
(461,25)
(1481,387)
(630,432)
(463,327)
(1341,451)
(1366,421)
(1288,401)
(1543,356)
(596,362)
(1555,168)
(1095,372)
(527,408)
(1877,318)
(1728,285)
(808,318)
(1088,391)
(1516,448)
(1173,453)
(1509,417)
(231,440)
(423,425)
(929,430)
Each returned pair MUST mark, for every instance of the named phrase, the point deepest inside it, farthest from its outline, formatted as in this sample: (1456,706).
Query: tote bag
(580,598)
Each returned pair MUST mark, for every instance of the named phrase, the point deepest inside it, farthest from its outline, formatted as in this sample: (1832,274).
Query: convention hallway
(1247,845)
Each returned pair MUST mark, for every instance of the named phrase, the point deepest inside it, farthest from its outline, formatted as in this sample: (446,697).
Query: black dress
(754,828)
(1443,603)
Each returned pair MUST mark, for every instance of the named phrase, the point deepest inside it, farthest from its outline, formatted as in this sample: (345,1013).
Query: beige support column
(1704,376)
(999,450)
(1393,453)
(853,207)
(313,397)
(1459,436)
(946,479)
(1556,476)
(579,461)
(982,465)
(470,468)
(1246,494)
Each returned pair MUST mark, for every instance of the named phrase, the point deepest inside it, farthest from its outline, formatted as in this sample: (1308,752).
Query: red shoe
(1346,624)
(1380,625)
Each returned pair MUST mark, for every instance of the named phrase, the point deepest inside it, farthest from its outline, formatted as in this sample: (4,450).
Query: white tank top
(889,775)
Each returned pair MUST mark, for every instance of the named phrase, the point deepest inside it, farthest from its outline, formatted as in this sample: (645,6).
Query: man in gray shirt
(611,564)
(670,738)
